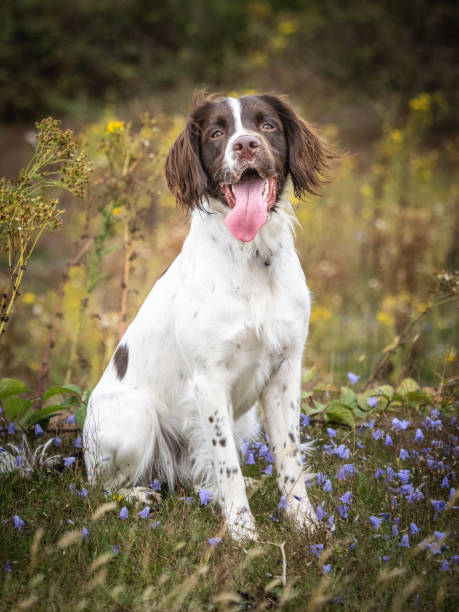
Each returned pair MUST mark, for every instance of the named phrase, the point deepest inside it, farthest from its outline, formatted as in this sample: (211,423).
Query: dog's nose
(246,146)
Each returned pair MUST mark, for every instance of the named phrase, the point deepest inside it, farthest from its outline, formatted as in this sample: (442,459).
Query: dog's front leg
(281,411)
(216,416)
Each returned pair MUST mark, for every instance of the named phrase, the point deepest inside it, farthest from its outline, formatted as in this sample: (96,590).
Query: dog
(223,330)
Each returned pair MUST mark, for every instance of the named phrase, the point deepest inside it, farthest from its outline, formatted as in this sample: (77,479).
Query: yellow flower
(117,210)
(396,135)
(421,103)
(320,313)
(287,27)
(451,355)
(385,318)
(115,127)
(366,191)
(29,298)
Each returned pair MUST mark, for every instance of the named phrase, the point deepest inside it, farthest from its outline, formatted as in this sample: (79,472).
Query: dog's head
(241,152)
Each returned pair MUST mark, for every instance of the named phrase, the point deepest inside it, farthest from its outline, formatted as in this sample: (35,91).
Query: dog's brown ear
(308,156)
(185,175)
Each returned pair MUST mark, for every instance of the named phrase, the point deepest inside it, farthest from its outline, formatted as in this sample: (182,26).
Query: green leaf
(386,390)
(348,397)
(338,413)
(15,407)
(306,394)
(11,386)
(34,416)
(318,407)
(61,390)
(407,386)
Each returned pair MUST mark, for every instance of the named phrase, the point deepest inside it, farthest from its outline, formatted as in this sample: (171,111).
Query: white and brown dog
(225,326)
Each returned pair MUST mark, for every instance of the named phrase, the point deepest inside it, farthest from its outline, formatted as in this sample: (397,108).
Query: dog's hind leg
(119,438)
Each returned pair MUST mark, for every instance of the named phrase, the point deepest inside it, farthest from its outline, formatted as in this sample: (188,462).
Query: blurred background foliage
(378,79)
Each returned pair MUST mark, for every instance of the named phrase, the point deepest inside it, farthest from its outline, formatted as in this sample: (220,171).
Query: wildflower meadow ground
(384,491)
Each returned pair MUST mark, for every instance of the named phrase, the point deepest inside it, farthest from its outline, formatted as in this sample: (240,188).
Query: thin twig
(284,561)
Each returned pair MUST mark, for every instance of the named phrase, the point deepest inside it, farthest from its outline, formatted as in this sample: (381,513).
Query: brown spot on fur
(121,360)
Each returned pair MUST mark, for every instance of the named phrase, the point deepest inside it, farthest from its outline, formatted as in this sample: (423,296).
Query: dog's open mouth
(250,199)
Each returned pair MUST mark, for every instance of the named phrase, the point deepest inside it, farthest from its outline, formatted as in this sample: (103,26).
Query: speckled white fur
(223,329)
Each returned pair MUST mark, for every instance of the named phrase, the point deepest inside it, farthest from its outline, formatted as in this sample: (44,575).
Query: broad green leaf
(34,416)
(15,407)
(339,414)
(385,390)
(318,407)
(306,394)
(61,390)
(348,397)
(11,386)
(407,385)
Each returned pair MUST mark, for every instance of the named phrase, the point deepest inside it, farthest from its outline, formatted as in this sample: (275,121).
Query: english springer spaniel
(223,330)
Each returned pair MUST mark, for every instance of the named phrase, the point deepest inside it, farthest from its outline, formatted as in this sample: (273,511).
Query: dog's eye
(268,127)
(216,134)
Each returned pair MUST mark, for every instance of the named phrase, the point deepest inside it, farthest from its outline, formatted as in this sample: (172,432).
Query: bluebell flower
(455,559)
(250,459)
(372,401)
(452,492)
(390,474)
(188,500)
(345,470)
(268,470)
(155,524)
(326,569)
(376,521)
(404,476)
(70,419)
(11,428)
(305,420)
(377,435)
(394,531)
(388,441)
(439,535)
(414,528)
(415,496)
(68,461)
(359,445)
(400,424)
(263,450)
(18,522)
(331,432)
(72,489)
(353,544)
(407,489)
(115,549)
(444,566)
(438,504)
(124,513)
(346,498)
(328,486)
(7,566)
(321,514)
(445,483)
(405,541)
(83,492)
(321,478)
(343,511)
(214,541)
(57,441)
(342,451)
(331,522)
(387,558)
(316,549)
(403,454)
(353,378)
(283,502)
(269,457)
(84,533)
(38,430)
(77,443)
(379,473)
(155,485)
(204,496)
(144,513)
(19,461)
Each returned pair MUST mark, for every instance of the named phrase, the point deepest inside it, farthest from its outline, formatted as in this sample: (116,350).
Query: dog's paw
(140,495)
(302,514)
(241,527)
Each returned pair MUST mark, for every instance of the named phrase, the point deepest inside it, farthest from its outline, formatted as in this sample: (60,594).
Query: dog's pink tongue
(250,211)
